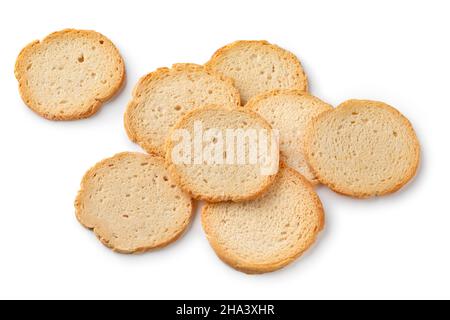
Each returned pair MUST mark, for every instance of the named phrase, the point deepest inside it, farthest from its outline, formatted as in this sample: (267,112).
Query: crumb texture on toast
(162,97)
(236,181)
(257,67)
(132,204)
(69,74)
(268,233)
(290,111)
(362,148)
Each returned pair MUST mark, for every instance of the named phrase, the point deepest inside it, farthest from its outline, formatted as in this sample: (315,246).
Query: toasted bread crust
(155,76)
(79,210)
(302,79)
(270,266)
(341,188)
(188,188)
(95,102)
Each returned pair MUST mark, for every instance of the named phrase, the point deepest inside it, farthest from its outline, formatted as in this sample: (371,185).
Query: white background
(392,247)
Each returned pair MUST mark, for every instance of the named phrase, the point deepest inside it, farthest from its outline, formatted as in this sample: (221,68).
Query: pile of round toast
(255,221)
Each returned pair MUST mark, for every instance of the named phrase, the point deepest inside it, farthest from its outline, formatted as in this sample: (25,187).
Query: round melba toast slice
(268,233)
(69,74)
(257,67)
(132,204)
(162,97)
(362,149)
(219,154)
(290,111)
